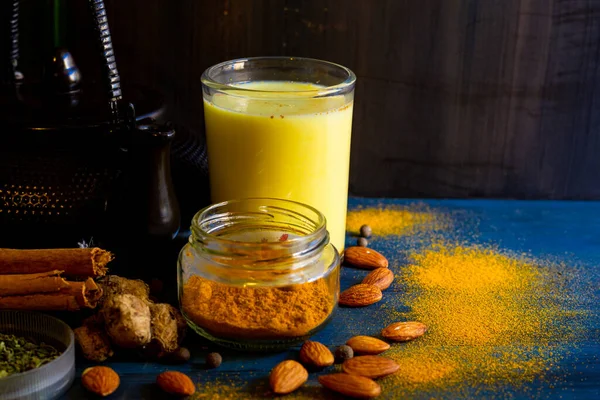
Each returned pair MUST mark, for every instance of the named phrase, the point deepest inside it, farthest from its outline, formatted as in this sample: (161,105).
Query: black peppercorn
(179,356)
(213,360)
(365,231)
(362,242)
(343,353)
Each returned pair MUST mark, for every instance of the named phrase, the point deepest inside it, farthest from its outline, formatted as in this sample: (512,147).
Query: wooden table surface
(568,232)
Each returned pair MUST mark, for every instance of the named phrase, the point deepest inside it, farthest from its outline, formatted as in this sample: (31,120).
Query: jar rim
(273,263)
(319,231)
(208,76)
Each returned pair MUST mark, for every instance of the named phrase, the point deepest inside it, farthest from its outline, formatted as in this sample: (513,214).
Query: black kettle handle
(10,10)
(112,79)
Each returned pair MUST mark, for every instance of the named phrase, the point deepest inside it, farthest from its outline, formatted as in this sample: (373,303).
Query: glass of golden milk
(280,127)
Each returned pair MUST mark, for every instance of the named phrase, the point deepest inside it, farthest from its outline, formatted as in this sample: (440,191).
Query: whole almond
(363,257)
(370,366)
(360,295)
(351,385)
(100,380)
(316,354)
(367,345)
(404,331)
(380,277)
(287,376)
(177,383)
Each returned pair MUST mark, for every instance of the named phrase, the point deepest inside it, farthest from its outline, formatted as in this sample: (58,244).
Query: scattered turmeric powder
(430,369)
(257,388)
(257,313)
(221,389)
(494,319)
(395,220)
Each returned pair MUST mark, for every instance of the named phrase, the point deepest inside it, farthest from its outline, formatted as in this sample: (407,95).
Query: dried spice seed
(100,380)
(287,376)
(315,354)
(367,345)
(360,295)
(404,331)
(362,242)
(351,385)
(213,360)
(176,383)
(363,257)
(370,366)
(181,355)
(365,231)
(380,277)
(343,353)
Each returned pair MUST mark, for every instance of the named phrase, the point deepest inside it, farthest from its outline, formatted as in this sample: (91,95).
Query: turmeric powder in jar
(258,274)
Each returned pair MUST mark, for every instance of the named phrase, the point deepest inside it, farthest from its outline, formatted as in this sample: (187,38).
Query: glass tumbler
(280,127)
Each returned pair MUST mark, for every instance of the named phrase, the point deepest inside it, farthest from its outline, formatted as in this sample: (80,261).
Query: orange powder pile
(395,220)
(257,313)
(494,320)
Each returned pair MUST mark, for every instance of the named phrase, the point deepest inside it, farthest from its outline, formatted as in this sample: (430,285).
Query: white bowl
(50,380)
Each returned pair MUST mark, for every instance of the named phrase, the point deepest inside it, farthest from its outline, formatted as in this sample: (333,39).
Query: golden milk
(275,139)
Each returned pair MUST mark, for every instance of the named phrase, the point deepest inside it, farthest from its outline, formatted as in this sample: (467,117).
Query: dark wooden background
(455,98)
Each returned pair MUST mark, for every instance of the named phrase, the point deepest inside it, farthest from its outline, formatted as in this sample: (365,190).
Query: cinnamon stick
(87,294)
(78,295)
(23,284)
(40,302)
(74,262)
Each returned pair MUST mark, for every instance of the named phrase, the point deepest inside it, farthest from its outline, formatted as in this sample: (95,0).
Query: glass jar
(258,274)
(280,127)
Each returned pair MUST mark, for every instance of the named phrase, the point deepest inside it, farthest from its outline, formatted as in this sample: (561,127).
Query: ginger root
(127,320)
(166,327)
(113,284)
(94,343)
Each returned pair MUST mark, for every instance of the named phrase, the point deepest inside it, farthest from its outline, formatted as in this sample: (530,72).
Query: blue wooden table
(567,232)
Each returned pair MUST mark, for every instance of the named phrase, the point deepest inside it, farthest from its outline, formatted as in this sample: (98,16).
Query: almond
(380,277)
(316,354)
(287,376)
(367,345)
(370,366)
(404,331)
(100,380)
(360,295)
(363,257)
(351,385)
(177,383)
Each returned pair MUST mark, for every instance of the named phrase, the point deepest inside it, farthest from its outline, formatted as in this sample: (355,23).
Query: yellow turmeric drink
(278,139)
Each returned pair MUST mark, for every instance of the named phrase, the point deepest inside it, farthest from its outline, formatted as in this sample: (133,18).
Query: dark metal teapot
(76,161)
